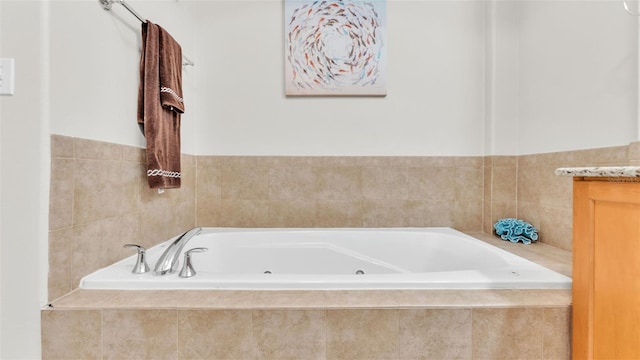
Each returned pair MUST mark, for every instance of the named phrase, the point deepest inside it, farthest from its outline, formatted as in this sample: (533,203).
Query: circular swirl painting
(335,47)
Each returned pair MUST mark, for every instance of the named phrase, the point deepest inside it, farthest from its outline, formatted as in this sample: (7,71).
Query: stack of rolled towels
(516,230)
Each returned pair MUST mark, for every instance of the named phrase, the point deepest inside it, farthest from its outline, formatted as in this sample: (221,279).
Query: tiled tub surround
(282,191)
(311,325)
(100,200)
(92,213)
(526,187)
(405,324)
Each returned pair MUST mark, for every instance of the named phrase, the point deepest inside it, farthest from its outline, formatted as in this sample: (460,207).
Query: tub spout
(168,262)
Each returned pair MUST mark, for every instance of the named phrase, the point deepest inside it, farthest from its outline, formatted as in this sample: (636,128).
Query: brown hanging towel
(160,105)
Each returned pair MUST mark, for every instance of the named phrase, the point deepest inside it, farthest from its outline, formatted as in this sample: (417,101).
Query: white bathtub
(390,258)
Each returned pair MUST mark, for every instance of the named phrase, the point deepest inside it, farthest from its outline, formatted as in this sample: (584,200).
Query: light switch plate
(7,76)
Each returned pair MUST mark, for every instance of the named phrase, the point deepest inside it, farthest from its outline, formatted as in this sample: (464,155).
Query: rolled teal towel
(516,230)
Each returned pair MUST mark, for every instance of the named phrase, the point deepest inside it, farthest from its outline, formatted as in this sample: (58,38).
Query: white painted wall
(95,56)
(566,76)
(582,66)
(24,178)
(514,77)
(502,78)
(435,86)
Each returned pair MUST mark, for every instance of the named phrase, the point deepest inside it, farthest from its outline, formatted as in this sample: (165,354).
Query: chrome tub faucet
(169,261)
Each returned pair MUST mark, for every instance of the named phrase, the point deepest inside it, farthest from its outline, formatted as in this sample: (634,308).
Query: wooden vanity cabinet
(606,268)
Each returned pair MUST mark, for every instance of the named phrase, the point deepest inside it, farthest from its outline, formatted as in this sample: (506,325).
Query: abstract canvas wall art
(335,47)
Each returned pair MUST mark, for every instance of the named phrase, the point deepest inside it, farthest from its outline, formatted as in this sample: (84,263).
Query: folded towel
(516,230)
(160,105)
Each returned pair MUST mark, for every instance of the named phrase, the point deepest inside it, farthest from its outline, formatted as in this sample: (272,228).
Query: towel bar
(106,4)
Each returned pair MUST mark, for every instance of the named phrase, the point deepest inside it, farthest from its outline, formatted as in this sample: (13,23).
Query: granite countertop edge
(600,171)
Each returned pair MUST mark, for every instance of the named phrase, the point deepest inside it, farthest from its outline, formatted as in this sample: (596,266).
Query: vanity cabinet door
(606,270)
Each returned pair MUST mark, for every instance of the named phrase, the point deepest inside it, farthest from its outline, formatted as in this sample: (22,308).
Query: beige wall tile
(468,161)
(99,243)
(215,334)
(89,300)
(208,211)
(609,156)
(140,334)
(188,160)
(504,160)
(208,177)
(162,216)
(541,197)
(504,183)
(163,223)
(508,333)
(530,212)
(60,245)
(369,299)
(289,334)
(557,333)
(292,183)
(62,146)
(71,334)
(467,216)
(385,182)
(433,184)
(187,190)
(97,150)
(104,189)
(469,184)
(554,190)
(556,226)
(209,191)
(241,161)
(134,154)
(501,210)
(574,158)
(209,161)
(487,183)
(487,211)
(435,334)
(339,183)
(245,183)
(61,193)
(430,213)
(286,161)
(338,213)
(289,299)
(530,183)
(362,334)
(292,213)
(633,153)
(384,213)
(433,161)
(245,213)
(340,161)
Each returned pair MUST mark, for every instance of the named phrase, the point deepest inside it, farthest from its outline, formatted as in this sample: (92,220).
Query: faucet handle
(187,269)
(141,266)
